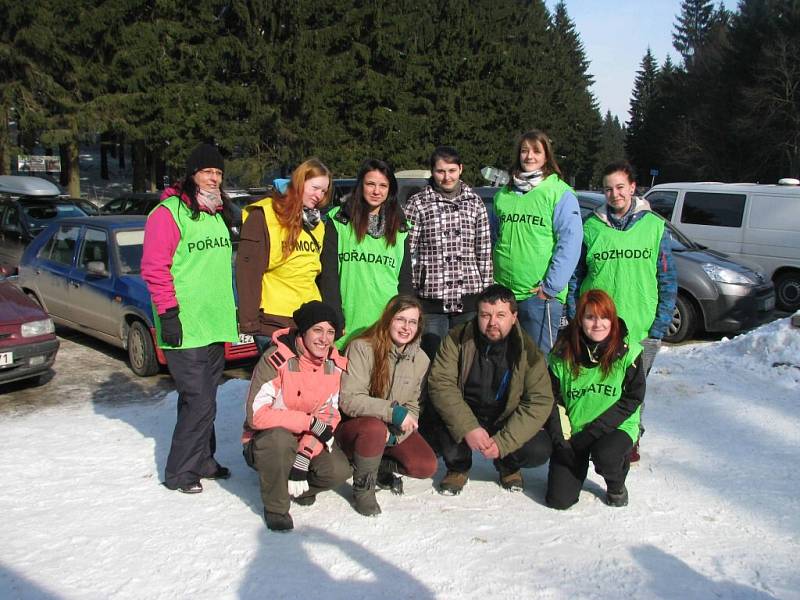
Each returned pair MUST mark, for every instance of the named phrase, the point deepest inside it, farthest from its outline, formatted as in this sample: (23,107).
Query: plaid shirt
(451,246)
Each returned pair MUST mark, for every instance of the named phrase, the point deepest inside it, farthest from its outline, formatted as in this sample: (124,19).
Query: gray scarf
(526,181)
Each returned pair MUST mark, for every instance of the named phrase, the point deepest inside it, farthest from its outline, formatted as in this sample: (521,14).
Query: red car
(28,343)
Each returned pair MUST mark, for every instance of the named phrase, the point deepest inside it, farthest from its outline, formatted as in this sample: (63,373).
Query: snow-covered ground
(714,511)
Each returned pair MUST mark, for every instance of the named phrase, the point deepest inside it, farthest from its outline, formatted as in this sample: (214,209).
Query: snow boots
(388,478)
(278,522)
(453,482)
(365,472)
(617,498)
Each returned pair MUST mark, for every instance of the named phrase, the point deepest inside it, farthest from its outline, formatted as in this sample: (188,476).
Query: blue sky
(615,36)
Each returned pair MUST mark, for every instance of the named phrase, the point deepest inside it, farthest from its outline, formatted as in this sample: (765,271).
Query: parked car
(27,206)
(760,223)
(406,187)
(143,204)
(85,272)
(86,206)
(28,342)
(715,292)
(140,203)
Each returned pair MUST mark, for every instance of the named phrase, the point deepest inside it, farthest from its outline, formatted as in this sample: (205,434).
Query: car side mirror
(97,268)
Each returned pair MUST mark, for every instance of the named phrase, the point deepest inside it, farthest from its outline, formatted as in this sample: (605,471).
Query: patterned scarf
(311,217)
(209,200)
(526,181)
(376,225)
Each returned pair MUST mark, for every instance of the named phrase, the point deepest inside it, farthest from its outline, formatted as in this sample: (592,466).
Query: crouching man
(292,410)
(489,391)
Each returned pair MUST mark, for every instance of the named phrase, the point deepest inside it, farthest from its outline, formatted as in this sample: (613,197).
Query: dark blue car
(85,272)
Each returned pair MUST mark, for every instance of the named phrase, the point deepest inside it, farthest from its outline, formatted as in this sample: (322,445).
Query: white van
(759,223)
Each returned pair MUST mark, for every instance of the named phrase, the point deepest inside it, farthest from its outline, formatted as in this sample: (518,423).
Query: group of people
(392,335)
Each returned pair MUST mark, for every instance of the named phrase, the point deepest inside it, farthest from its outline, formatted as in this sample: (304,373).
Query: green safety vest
(203,278)
(369,272)
(526,238)
(590,394)
(624,264)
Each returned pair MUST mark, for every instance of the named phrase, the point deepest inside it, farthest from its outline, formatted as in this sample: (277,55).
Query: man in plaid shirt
(451,248)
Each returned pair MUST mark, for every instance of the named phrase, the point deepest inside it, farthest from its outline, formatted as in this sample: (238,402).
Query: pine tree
(693,26)
(642,153)
(611,147)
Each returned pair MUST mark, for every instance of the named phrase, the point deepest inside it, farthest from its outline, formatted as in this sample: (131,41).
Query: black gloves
(171,330)
(323,432)
(580,442)
(564,454)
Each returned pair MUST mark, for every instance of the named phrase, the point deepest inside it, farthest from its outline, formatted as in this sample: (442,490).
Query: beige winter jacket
(407,371)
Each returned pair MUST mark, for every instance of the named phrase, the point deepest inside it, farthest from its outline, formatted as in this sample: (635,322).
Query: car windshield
(40,215)
(129,250)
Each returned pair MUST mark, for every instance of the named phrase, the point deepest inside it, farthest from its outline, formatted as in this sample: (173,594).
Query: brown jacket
(530,396)
(407,371)
(252,260)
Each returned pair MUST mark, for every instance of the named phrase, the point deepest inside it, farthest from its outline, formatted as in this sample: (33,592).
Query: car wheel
(141,350)
(787,291)
(684,321)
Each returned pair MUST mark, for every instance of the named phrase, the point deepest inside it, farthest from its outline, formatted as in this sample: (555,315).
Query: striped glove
(322,431)
(298,476)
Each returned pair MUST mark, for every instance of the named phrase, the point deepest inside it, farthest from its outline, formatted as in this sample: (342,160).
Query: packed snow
(714,509)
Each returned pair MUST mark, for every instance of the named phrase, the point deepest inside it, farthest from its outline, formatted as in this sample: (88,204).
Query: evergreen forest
(273,82)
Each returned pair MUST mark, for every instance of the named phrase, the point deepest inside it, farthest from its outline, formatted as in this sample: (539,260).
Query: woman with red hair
(278,260)
(599,384)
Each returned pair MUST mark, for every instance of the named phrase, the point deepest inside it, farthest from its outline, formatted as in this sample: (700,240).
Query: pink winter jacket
(288,390)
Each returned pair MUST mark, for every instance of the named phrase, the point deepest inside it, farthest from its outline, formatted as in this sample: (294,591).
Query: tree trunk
(5,142)
(139,154)
(121,162)
(63,152)
(74,171)
(105,142)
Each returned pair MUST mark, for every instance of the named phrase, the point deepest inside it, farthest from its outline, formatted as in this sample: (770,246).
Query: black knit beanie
(204,156)
(311,313)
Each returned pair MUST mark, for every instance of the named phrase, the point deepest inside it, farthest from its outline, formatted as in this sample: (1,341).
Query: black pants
(611,457)
(458,456)
(197,373)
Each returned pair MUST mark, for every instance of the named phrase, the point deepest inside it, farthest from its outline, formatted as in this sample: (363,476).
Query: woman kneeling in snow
(380,392)
(599,381)
(292,410)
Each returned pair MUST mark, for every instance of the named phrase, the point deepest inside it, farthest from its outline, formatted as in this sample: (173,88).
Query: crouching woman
(292,410)
(599,381)
(380,395)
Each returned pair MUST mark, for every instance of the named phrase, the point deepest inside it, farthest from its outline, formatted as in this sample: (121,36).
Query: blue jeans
(540,319)
(436,327)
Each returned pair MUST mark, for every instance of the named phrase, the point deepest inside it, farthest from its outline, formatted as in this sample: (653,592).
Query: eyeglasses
(406,322)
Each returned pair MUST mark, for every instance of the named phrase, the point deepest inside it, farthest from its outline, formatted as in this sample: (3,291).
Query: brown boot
(512,482)
(365,472)
(453,482)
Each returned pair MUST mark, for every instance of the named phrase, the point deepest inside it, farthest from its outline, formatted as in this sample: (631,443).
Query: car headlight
(723,275)
(34,328)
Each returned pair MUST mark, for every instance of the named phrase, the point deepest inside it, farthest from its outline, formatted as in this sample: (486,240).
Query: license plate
(6,359)
(766,303)
(244,339)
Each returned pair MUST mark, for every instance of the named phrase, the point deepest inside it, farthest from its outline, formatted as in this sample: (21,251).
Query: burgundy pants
(366,436)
